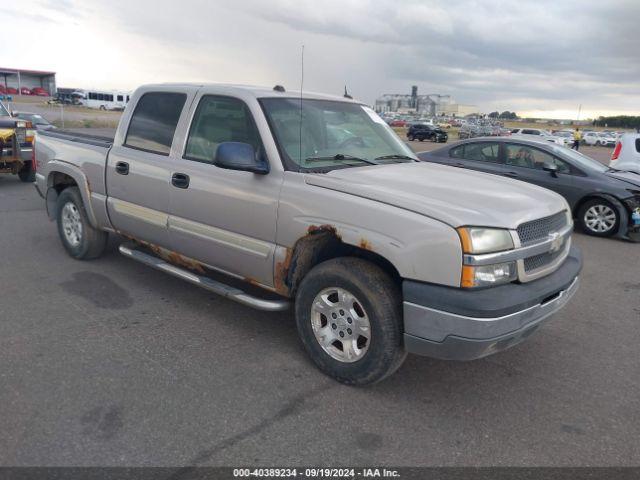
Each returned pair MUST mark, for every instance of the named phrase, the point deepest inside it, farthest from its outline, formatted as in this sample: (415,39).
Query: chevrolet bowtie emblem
(556,242)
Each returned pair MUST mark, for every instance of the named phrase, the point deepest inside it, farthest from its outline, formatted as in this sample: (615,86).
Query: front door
(138,168)
(223,218)
(526,163)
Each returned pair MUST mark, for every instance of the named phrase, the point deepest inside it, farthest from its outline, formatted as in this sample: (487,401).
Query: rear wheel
(349,318)
(27,174)
(599,217)
(78,236)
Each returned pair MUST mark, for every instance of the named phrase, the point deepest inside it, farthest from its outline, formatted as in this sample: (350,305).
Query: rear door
(139,169)
(481,156)
(224,218)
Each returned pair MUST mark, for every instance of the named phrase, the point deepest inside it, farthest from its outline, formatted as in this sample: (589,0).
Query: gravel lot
(109,362)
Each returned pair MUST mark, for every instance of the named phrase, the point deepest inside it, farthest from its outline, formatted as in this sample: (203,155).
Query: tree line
(507,115)
(618,121)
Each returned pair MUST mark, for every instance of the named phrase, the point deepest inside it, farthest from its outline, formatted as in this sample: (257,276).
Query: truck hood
(451,195)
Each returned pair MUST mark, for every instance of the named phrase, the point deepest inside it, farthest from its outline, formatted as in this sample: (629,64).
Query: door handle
(460,164)
(122,168)
(510,174)
(180,180)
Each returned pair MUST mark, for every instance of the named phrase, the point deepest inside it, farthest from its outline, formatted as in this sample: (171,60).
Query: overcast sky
(541,58)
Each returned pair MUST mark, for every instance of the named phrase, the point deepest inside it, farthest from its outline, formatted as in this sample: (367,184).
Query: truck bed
(77,137)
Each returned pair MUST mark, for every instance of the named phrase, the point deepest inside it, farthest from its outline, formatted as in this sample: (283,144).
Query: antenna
(346,94)
(301,85)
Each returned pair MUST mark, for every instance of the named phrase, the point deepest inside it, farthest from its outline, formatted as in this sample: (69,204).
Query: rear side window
(457,152)
(217,120)
(638,145)
(154,122)
(530,132)
(481,152)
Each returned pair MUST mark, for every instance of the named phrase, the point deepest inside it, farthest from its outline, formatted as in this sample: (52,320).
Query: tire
(375,300)
(26,174)
(79,238)
(411,138)
(599,217)
(421,139)
(103,108)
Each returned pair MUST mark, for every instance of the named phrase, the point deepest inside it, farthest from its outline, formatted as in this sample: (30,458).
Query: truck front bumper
(458,324)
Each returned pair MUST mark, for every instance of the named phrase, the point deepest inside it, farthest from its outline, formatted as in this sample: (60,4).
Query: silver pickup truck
(273,198)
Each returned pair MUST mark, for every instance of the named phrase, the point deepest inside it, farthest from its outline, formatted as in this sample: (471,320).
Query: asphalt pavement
(109,362)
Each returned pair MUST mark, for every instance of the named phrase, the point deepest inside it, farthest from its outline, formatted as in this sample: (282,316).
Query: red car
(41,92)
(398,123)
(11,91)
(25,91)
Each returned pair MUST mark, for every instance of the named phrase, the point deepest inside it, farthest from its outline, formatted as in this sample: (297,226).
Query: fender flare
(60,166)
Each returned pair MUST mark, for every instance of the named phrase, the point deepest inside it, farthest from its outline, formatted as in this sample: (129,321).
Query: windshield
(332,134)
(580,160)
(3,111)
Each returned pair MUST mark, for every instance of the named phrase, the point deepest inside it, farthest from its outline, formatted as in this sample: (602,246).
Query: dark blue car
(602,199)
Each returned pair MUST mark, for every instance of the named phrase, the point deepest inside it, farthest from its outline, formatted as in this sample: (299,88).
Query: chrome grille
(538,230)
(542,260)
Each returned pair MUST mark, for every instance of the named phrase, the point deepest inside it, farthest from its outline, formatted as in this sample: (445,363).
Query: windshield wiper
(339,156)
(395,156)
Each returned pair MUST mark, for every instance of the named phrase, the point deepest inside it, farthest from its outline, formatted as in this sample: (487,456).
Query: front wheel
(599,217)
(349,319)
(78,236)
(411,138)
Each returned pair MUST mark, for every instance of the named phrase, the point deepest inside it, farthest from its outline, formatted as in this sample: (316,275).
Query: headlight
(480,240)
(484,240)
(21,124)
(488,275)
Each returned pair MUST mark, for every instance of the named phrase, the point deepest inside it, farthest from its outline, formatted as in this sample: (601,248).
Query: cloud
(543,55)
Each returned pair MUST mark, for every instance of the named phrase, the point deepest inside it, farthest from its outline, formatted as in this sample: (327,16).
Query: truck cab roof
(247,90)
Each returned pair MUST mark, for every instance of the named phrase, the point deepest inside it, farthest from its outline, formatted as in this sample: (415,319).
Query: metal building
(13,80)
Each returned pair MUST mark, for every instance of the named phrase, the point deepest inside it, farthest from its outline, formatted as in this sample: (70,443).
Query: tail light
(616,151)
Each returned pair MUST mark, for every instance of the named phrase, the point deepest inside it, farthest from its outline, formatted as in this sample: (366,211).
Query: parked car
(16,146)
(378,253)
(626,155)
(565,137)
(602,200)
(536,134)
(39,91)
(421,132)
(398,123)
(11,91)
(599,139)
(38,121)
(470,131)
(25,91)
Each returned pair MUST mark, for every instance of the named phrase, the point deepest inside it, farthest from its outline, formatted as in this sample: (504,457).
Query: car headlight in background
(484,240)
(480,240)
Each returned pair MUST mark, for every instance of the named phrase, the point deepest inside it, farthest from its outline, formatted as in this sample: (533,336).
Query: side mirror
(552,168)
(239,156)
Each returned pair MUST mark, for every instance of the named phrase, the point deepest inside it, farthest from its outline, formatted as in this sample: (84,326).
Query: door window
(529,157)
(217,120)
(154,122)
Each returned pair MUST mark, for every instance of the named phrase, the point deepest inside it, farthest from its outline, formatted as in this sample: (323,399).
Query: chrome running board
(207,283)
